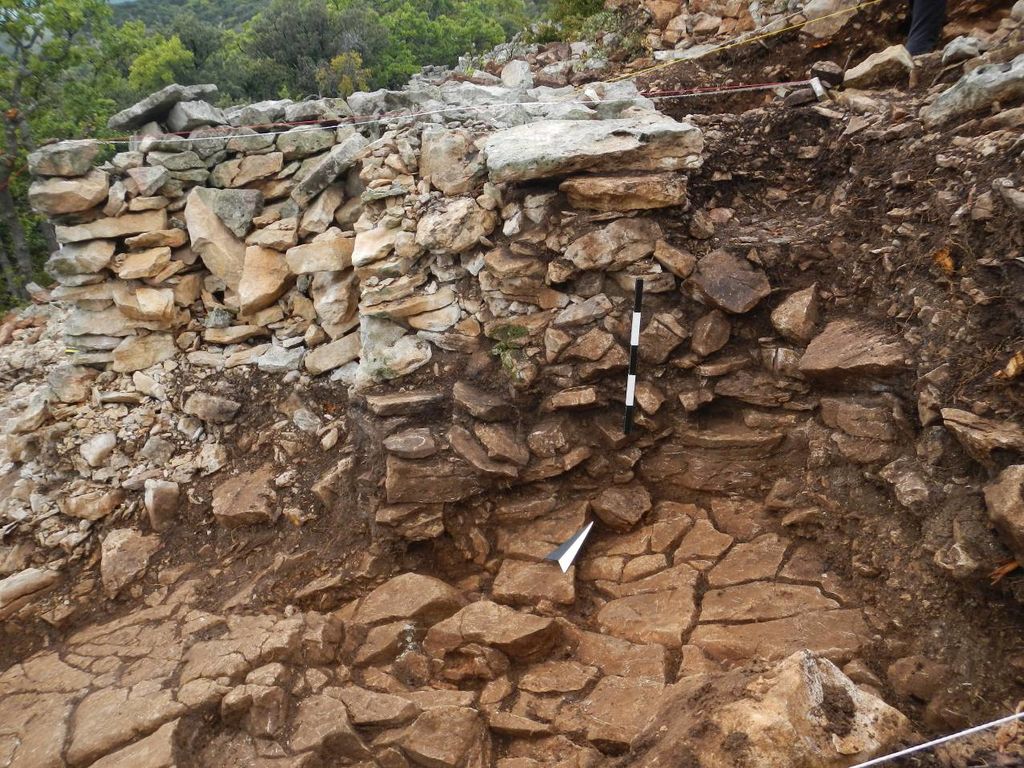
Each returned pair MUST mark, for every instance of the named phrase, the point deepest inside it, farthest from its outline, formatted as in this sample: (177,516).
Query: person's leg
(926,20)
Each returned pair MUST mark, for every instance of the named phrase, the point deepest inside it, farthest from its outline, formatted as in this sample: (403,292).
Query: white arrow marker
(566,553)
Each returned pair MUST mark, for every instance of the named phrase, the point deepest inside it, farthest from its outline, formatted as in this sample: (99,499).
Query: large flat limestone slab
(560,147)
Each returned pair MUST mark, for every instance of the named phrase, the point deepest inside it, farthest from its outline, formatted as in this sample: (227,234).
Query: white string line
(942,740)
(468,108)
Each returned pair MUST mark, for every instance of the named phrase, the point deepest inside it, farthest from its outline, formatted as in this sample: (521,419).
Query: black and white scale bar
(634,344)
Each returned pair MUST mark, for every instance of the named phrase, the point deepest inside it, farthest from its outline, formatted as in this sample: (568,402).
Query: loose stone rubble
(375,375)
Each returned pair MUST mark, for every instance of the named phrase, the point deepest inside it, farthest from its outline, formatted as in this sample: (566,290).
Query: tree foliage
(164,63)
(49,53)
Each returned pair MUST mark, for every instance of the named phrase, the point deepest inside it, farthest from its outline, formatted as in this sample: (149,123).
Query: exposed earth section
(287,443)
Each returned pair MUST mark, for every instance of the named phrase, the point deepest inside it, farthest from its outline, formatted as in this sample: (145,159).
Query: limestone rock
(449,160)
(156,750)
(161,502)
(189,115)
(332,355)
(110,228)
(617,245)
(435,481)
(211,408)
(625,193)
(852,348)
(148,304)
(617,709)
(891,66)
(330,251)
(710,333)
(728,282)
(523,583)
(403,403)
(157,105)
(98,449)
(125,556)
(58,196)
(369,708)
(317,109)
(137,353)
(516,75)
(281,235)
(747,561)
(146,180)
(413,522)
(797,316)
(480,404)
(372,245)
(501,443)
(303,141)
(976,91)
(466,446)
(81,258)
(236,208)
(519,635)
(19,589)
(142,264)
(653,617)
(560,147)
(588,311)
(622,506)
(65,158)
(247,499)
(70,383)
(330,167)
(246,169)
(410,597)
(572,399)
(803,711)
(335,296)
(980,436)
(322,723)
(455,227)
(92,504)
(320,214)
(448,737)
(222,252)
(411,443)
(265,277)
(961,48)
(678,262)
(761,601)
(836,634)
(161,238)
(1004,499)
(280,359)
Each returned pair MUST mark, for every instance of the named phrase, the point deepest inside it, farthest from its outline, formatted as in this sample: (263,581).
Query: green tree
(201,38)
(342,75)
(49,55)
(165,62)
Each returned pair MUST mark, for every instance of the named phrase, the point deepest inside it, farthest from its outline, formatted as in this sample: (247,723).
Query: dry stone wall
(347,249)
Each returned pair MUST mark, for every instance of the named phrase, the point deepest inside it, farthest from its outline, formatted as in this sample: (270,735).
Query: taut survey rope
(746,40)
(939,741)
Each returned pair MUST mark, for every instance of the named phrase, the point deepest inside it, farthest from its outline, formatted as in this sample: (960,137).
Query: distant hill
(158,14)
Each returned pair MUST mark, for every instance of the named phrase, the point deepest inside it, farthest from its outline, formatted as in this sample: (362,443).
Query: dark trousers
(926,20)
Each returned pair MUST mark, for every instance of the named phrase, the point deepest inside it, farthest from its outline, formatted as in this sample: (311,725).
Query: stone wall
(351,249)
